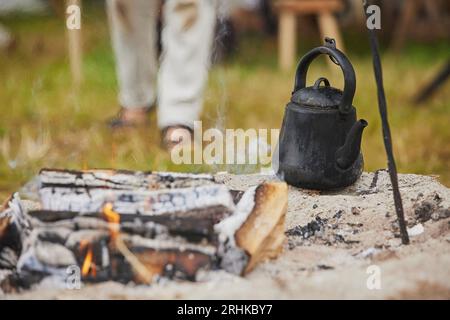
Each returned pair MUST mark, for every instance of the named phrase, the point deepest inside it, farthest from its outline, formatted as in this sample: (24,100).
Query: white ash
(44,257)
(416,230)
(368,253)
(99,178)
(124,180)
(216,276)
(29,262)
(228,227)
(52,282)
(54,255)
(191,198)
(234,259)
(130,202)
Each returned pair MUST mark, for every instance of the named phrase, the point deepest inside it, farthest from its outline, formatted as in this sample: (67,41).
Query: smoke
(222,31)
(222,41)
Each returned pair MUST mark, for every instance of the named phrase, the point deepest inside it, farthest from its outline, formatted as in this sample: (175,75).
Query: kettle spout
(349,152)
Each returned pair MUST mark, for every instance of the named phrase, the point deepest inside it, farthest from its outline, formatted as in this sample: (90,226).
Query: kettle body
(320,137)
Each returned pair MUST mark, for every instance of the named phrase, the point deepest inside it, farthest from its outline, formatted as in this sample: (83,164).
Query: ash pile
(135,227)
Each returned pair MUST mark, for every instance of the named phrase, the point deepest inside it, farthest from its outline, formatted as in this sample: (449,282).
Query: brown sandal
(130,118)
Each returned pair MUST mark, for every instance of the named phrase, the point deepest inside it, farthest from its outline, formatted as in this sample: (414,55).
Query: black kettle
(320,139)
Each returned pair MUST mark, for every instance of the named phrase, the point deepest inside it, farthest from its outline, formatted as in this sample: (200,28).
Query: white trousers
(187,36)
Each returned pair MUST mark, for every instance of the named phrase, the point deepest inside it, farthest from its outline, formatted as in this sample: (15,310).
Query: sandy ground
(340,245)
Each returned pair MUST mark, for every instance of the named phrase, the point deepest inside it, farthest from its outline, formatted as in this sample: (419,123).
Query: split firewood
(122,179)
(256,228)
(262,234)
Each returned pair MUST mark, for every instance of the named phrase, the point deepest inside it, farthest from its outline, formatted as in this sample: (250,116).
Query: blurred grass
(46,123)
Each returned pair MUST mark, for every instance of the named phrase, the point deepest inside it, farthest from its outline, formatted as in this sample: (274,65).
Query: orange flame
(88,266)
(113,218)
(87,262)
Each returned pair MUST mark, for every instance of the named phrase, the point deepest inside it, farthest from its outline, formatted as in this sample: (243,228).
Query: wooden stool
(289,10)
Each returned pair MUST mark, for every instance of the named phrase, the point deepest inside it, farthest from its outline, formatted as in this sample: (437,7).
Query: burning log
(134,258)
(171,258)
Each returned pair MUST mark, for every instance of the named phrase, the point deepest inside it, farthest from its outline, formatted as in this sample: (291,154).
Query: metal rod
(382,106)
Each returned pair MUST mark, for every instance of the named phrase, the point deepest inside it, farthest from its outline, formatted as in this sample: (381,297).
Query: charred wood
(122,179)
(14,230)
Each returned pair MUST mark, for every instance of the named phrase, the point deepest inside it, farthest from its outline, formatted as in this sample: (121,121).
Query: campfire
(136,227)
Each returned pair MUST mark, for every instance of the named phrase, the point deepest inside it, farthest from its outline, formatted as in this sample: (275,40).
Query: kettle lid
(318,96)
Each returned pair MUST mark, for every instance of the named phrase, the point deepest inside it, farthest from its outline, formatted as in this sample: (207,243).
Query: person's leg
(133,33)
(187,42)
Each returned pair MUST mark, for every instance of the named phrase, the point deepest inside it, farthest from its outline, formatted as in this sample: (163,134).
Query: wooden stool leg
(329,28)
(75,49)
(287,40)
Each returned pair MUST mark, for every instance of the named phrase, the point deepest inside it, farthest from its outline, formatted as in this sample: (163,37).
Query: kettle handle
(338,58)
